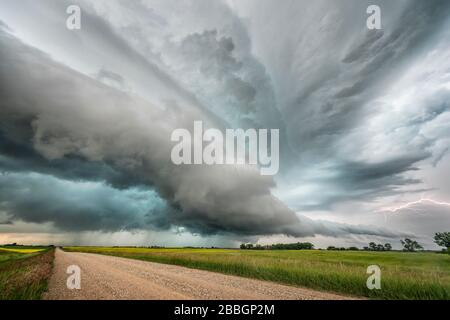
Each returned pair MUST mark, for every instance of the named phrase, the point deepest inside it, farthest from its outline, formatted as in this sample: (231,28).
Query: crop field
(25,250)
(24,272)
(404,275)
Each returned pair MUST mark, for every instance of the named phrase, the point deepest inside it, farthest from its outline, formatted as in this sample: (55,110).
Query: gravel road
(107,277)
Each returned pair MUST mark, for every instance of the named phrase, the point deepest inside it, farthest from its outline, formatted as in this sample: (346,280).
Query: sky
(86,118)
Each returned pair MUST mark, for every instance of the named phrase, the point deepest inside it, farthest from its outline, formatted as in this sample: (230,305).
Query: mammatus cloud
(94,109)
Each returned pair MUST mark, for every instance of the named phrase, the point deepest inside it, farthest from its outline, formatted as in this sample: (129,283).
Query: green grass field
(24,272)
(404,275)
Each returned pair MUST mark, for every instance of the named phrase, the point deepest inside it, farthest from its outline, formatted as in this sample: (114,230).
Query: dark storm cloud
(328,88)
(328,91)
(66,125)
(373,176)
(338,101)
(19,156)
(366,181)
(138,70)
(72,206)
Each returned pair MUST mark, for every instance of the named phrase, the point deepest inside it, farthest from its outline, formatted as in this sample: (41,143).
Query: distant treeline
(279,246)
(25,245)
(309,246)
(440,238)
(372,247)
(333,248)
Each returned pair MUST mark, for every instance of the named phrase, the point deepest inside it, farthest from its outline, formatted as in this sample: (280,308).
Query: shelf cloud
(86,115)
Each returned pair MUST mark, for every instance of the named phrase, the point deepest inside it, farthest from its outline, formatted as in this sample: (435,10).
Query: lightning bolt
(413,203)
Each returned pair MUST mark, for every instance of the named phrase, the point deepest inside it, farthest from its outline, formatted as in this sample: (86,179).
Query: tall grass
(404,275)
(23,276)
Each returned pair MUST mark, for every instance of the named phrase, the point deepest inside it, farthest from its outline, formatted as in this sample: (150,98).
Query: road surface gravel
(107,277)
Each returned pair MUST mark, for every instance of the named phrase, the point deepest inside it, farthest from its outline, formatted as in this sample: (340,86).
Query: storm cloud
(236,200)
(86,116)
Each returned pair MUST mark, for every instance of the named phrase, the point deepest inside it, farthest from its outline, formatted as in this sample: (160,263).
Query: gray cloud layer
(80,120)
(104,114)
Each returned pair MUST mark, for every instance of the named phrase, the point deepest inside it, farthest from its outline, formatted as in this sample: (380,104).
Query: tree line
(279,246)
(442,239)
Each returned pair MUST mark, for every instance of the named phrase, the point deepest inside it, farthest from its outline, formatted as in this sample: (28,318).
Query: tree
(387,247)
(307,246)
(373,246)
(443,239)
(410,245)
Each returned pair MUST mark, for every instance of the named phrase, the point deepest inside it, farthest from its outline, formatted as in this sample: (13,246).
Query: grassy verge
(24,273)
(404,275)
